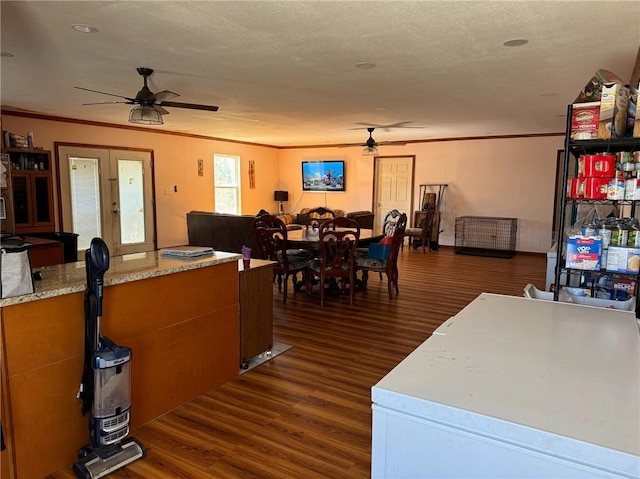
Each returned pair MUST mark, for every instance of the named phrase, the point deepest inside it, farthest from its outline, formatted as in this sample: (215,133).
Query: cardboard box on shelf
(583,252)
(574,187)
(612,122)
(597,165)
(615,190)
(595,188)
(584,120)
(592,188)
(623,260)
(631,189)
(624,284)
(592,91)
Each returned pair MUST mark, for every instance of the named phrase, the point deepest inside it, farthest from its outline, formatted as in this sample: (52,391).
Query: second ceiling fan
(371,145)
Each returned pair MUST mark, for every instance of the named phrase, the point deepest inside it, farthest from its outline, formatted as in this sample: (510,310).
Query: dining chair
(387,266)
(338,238)
(315,216)
(271,236)
(423,229)
(388,227)
(390,221)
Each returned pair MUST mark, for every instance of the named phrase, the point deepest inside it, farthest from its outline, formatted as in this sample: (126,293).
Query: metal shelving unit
(569,206)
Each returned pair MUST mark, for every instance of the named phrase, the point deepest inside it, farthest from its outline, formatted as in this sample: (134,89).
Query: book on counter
(188,251)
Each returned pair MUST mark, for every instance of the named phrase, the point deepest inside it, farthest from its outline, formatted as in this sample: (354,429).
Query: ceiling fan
(150,105)
(370,146)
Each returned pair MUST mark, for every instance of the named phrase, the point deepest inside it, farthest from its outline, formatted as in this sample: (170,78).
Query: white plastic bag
(15,270)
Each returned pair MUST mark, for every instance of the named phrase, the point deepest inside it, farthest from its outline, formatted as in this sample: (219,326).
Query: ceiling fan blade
(164,95)
(381,143)
(109,103)
(191,106)
(104,93)
(160,110)
(400,124)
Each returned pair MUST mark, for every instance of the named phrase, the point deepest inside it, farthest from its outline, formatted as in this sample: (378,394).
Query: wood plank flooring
(307,413)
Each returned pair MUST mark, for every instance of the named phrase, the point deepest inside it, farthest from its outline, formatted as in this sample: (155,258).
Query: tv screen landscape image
(323,176)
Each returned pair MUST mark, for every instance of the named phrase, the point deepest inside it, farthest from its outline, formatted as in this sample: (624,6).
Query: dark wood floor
(307,413)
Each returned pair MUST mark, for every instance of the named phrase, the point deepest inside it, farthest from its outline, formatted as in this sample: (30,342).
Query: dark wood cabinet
(45,252)
(32,191)
(256,309)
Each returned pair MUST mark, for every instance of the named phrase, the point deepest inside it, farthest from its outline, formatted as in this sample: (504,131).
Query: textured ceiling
(283,72)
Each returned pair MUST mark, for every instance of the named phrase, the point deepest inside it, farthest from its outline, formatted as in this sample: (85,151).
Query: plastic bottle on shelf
(605,233)
(589,230)
(623,228)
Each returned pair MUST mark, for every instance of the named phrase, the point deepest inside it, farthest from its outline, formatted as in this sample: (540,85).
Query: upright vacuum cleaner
(106,385)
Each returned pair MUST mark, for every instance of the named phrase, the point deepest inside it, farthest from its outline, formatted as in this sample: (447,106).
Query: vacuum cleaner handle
(99,264)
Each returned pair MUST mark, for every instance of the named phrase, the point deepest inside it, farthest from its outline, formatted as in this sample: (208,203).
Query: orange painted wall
(176,163)
(498,177)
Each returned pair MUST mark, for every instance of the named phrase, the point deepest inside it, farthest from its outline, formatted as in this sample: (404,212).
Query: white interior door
(108,193)
(393,186)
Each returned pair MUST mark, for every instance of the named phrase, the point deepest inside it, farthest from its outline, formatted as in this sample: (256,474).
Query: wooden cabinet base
(184,334)
(256,309)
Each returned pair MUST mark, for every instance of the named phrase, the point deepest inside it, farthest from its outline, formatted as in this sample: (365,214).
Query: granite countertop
(69,278)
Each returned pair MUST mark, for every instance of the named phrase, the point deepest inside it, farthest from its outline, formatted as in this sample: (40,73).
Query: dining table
(308,239)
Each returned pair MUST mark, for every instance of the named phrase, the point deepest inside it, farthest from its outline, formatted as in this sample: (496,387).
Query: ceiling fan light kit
(369,151)
(146,115)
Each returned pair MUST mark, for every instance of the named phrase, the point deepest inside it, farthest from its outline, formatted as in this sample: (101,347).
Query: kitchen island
(179,317)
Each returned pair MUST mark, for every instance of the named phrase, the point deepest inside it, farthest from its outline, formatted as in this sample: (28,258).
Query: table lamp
(281,196)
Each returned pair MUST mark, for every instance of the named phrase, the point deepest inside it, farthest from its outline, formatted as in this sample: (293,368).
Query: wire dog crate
(486,236)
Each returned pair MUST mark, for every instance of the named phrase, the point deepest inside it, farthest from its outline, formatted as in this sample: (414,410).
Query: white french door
(393,186)
(108,193)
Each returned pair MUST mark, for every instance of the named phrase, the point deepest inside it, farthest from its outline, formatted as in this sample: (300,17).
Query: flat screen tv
(325,175)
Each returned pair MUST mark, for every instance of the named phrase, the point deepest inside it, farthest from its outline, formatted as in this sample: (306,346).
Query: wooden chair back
(423,226)
(271,236)
(398,238)
(338,241)
(390,222)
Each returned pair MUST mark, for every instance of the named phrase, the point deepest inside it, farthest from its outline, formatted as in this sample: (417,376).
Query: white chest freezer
(514,388)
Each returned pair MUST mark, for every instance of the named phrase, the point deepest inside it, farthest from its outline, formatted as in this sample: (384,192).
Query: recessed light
(518,42)
(82,28)
(365,65)
(6,54)
(380,108)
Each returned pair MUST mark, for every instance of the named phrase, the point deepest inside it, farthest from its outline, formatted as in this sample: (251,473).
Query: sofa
(364,218)
(227,232)
(221,231)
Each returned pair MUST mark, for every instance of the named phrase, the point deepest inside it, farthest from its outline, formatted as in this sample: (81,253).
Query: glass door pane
(131,201)
(85,199)
(41,194)
(21,199)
